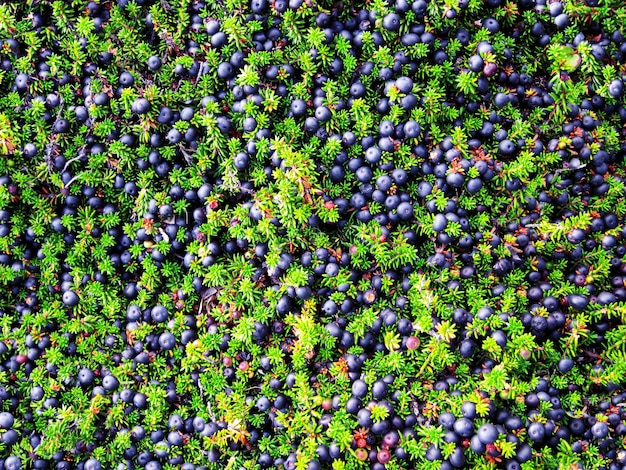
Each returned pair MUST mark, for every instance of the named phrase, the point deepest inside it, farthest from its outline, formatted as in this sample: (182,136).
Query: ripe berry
(167,341)
(464,427)
(599,430)
(616,88)
(110,383)
(6,420)
(440,223)
(70,298)
(487,433)
(565,365)
(359,388)
(241,161)
(391,22)
(536,432)
(61,126)
(506,148)
(154,63)
(93,464)
(404,84)
(12,463)
(141,106)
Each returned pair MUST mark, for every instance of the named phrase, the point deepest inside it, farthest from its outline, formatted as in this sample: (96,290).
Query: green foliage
(292,208)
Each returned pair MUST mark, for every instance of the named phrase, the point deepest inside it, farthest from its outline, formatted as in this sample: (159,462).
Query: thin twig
(81,154)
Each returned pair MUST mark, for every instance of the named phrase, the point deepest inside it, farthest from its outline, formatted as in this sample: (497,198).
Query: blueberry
(474,185)
(599,430)
(167,341)
(379,390)
(513,423)
(175,422)
(175,438)
(501,100)
(165,113)
(605,298)
(477,446)
(447,419)
(386,128)
(512,464)
(241,161)
(433,453)
(404,84)
(336,66)
(561,21)
(6,420)
(391,22)
(424,189)
(21,81)
(110,383)
(10,437)
(30,150)
(61,126)
(101,99)
(85,376)
(93,464)
(159,314)
(506,148)
(405,210)
(408,102)
(536,432)
(364,174)
(12,463)
(487,433)
(359,388)
(70,298)
(330,307)
(36,393)
(357,90)
(323,114)
(464,427)
(524,453)
(142,106)
(538,324)
(467,348)
(384,183)
(399,176)
(578,302)
(556,9)
(154,63)
(225,70)
(412,129)
(173,136)
(419,7)
(468,409)
(391,202)
(491,25)
(457,458)
(455,179)
(616,88)
(476,63)
(187,113)
(440,223)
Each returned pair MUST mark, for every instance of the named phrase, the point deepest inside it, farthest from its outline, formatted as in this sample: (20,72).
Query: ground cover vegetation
(304,234)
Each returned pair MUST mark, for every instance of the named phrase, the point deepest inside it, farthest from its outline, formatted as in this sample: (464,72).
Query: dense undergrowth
(299,234)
